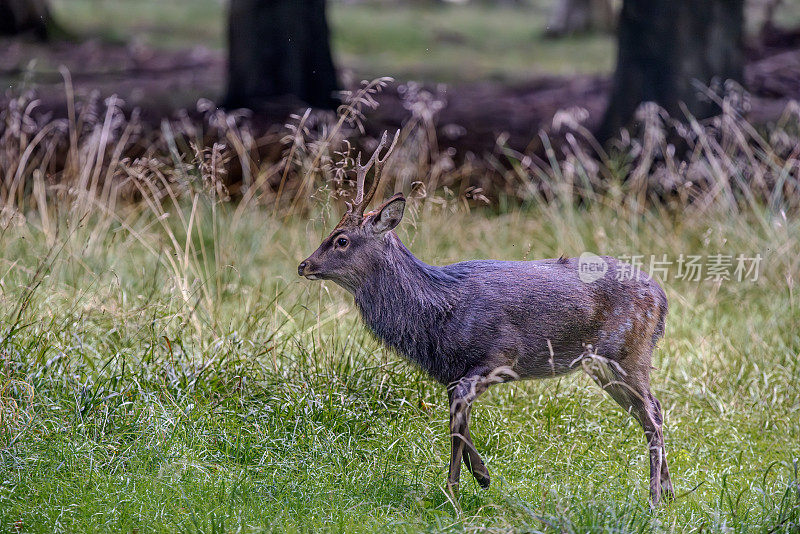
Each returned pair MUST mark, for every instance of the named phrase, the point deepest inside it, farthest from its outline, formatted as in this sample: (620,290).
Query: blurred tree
(25,16)
(665,47)
(569,17)
(279,49)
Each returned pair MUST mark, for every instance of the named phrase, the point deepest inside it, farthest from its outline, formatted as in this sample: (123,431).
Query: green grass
(409,41)
(455,42)
(179,24)
(217,392)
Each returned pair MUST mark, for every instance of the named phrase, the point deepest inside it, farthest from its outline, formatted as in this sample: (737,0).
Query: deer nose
(302,267)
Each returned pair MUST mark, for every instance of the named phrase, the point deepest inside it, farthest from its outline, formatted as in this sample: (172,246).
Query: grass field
(410,41)
(165,370)
(240,398)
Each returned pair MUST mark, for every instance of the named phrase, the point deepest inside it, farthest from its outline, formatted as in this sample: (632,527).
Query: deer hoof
(667,493)
(483,479)
(452,489)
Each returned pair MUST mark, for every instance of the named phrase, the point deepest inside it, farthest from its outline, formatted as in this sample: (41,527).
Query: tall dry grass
(99,157)
(103,170)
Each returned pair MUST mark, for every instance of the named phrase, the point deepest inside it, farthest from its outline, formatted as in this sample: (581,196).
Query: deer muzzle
(304,269)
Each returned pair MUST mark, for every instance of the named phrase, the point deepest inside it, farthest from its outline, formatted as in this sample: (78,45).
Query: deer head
(354,246)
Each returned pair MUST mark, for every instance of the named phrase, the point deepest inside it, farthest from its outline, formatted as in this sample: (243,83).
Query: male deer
(473,324)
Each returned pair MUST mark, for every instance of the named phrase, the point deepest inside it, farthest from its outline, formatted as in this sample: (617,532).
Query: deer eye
(342,242)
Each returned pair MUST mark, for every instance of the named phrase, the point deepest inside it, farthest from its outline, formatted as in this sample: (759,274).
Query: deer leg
(474,461)
(471,458)
(458,420)
(666,483)
(462,394)
(631,391)
(655,443)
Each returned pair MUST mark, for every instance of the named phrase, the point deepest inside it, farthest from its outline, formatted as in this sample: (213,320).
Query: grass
(413,41)
(164,369)
(269,407)
(473,42)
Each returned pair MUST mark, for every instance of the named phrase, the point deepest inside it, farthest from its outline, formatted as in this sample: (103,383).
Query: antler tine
(361,174)
(379,164)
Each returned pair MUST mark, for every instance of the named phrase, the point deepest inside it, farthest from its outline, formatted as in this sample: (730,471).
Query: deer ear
(387,215)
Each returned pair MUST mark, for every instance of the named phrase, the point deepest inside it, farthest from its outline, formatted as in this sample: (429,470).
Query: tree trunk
(25,16)
(279,49)
(665,48)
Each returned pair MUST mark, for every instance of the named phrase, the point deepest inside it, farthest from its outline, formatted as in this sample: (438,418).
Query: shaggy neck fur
(407,304)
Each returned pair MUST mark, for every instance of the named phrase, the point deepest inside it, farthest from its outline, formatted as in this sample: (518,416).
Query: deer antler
(355,211)
(378,167)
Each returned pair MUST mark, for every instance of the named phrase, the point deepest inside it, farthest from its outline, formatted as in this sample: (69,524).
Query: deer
(474,324)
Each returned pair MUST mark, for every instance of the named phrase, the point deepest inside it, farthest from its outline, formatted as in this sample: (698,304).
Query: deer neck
(405,301)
